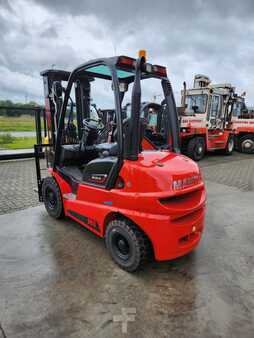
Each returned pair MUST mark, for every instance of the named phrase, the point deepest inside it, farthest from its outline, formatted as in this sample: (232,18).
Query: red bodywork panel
(215,139)
(172,219)
(147,145)
(243,126)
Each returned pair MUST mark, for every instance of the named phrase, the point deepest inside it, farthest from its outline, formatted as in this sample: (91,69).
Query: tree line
(13,109)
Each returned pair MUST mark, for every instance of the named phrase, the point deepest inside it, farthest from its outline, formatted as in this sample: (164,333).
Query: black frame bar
(38,154)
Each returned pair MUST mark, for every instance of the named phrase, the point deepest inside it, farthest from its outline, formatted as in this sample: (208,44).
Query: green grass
(22,123)
(9,142)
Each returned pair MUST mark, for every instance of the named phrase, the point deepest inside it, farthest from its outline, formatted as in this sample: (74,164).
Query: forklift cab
(89,144)
(239,109)
(212,104)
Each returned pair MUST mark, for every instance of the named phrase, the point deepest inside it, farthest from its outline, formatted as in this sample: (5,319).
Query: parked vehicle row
(213,117)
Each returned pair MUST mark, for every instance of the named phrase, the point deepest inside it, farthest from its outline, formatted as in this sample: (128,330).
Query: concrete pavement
(57,279)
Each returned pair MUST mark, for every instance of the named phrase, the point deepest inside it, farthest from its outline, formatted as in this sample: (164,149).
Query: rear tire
(230,146)
(127,245)
(52,198)
(246,144)
(196,148)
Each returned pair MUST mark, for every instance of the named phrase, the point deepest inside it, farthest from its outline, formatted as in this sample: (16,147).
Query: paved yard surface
(17,182)
(57,279)
(18,178)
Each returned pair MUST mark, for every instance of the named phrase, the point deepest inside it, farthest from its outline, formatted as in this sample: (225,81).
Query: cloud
(23,84)
(49,33)
(192,36)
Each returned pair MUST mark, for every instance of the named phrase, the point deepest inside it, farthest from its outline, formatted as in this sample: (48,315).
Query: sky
(215,38)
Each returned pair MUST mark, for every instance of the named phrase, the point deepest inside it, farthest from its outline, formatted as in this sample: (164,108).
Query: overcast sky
(212,37)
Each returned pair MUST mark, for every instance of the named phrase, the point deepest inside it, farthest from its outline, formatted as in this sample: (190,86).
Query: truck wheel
(196,148)
(52,198)
(247,144)
(127,245)
(230,146)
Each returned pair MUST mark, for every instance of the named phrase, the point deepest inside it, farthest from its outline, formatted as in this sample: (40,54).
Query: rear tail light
(160,70)
(126,61)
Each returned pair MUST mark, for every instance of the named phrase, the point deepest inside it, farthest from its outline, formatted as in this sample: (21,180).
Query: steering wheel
(98,124)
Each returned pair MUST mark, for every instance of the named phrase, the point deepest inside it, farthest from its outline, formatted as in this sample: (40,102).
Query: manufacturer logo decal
(185,182)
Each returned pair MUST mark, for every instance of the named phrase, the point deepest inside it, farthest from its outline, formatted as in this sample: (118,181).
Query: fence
(38,113)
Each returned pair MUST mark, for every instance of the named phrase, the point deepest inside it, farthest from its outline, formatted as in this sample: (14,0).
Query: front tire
(52,198)
(196,148)
(127,245)
(230,146)
(247,144)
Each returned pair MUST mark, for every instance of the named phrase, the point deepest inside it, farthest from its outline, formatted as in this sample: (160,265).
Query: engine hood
(161,172)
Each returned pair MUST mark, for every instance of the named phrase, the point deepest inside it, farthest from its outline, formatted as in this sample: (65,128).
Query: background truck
(205,118)
(242,125)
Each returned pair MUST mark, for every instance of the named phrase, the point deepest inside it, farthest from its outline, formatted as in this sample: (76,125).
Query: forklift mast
(54,91)
(53,96)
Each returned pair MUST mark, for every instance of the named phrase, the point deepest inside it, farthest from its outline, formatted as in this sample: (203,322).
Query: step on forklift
(144,203)
(205,118)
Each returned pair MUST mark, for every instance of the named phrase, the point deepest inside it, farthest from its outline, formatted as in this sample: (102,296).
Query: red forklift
(205,123)
(144,203)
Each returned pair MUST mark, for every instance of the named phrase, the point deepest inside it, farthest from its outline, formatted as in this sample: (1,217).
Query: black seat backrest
(71,154)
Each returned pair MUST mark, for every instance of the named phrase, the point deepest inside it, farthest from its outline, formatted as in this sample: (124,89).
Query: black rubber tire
(52,198)
(196,148)
(138,244)
(229,148)
(243,141)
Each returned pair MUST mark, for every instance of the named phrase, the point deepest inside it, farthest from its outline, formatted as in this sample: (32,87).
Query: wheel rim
(248,145)
(230,145)
(121,246)
(200,149)
(51,198)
